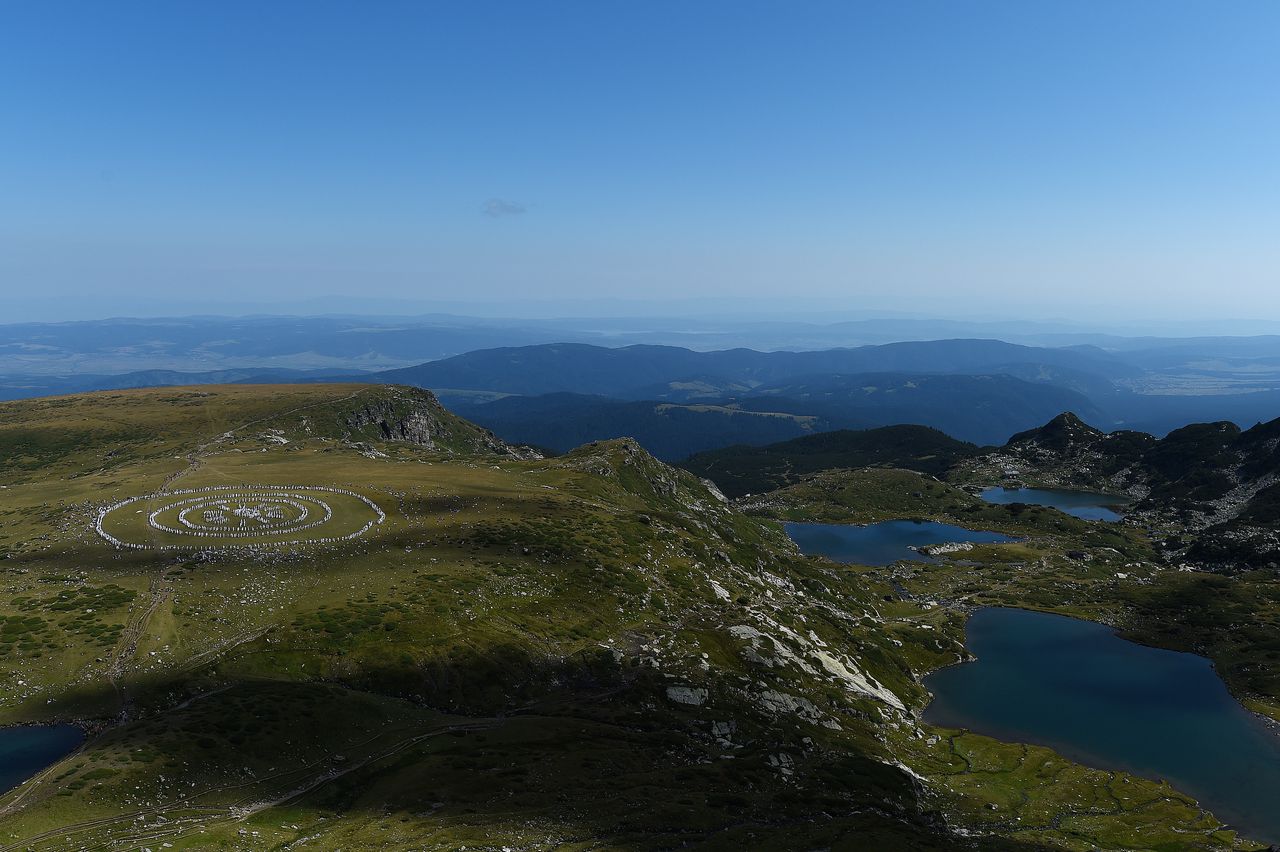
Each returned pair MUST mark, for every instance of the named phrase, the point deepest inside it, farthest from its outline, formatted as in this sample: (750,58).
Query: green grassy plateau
(592,652)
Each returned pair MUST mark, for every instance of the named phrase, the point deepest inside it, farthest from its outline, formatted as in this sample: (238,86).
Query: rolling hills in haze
(981,409)
(671,431)
(676,400)
(662,372)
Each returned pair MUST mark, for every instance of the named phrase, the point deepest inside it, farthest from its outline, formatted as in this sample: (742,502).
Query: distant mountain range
(361,343)
(981,391)
(25,387)
(983,409)
(669,372)
(675,400)
(202,344)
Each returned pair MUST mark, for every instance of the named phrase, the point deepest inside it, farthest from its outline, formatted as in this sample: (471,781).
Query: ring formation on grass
(240,516)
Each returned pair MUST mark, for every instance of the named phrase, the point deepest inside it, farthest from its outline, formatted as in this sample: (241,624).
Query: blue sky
(1015,158)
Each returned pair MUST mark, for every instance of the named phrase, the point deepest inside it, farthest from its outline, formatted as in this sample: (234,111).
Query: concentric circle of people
(252,513)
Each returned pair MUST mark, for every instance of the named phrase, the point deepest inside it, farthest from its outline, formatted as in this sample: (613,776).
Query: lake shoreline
(888,542)
(1086,505)
(1069,705)
(44,747)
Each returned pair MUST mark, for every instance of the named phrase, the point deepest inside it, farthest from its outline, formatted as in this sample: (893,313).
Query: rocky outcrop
(413,428)
(1070,453)
(625,461)
(1212,480)
(415,416)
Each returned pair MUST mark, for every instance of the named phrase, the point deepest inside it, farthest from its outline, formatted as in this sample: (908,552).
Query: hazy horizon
(660,314)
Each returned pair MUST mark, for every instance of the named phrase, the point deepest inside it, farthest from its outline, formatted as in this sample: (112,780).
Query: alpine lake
(1078,688)
(26,750)
(1087,505)
(884,543)
(1100,700)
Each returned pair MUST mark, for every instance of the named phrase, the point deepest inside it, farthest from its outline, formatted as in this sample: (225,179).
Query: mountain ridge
(625,371)
(1214,479)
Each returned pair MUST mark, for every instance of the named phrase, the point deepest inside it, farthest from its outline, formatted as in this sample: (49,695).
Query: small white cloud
(498,207)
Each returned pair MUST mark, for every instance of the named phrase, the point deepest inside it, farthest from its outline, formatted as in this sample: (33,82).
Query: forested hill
(640,372)
(741,470)
(982,409)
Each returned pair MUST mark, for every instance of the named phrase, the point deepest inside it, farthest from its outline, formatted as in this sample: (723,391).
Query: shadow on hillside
(581,748)
(496,741)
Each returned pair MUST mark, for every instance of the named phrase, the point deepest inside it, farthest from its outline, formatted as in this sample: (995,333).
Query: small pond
(883,543)
(1078,688)
(1083,504)
(26,750)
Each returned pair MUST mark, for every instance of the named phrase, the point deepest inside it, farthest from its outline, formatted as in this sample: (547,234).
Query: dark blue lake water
(883,543)
(25,751)
(1082,504)
(1078,688)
